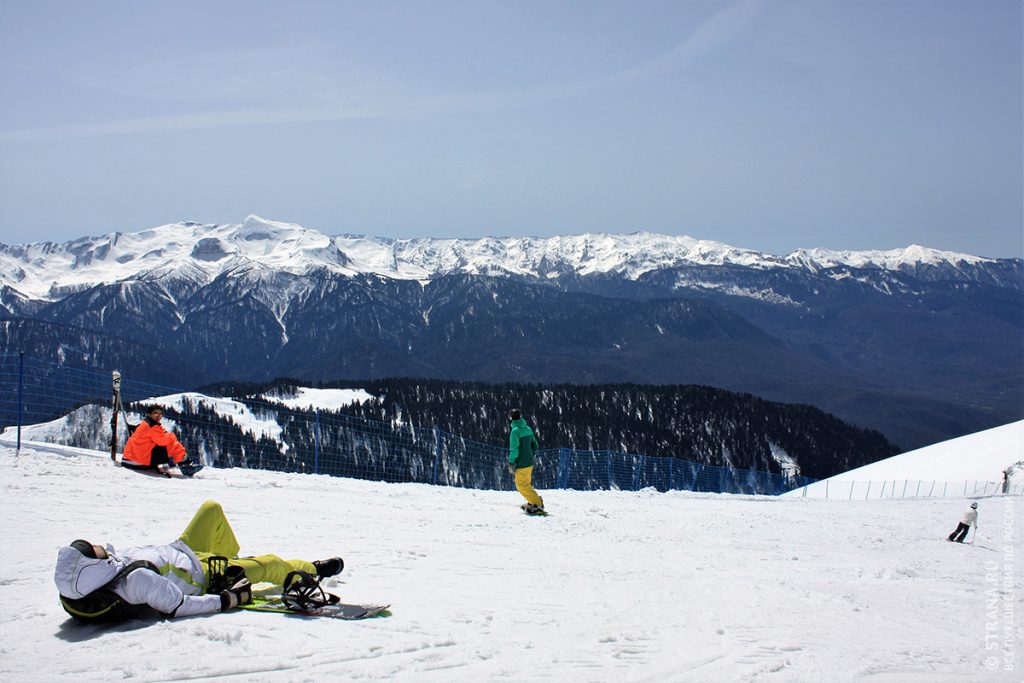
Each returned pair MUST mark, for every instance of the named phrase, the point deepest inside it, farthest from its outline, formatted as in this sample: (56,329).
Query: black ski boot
(329,567)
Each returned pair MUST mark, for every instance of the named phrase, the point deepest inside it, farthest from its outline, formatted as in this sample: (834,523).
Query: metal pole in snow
(316,444)
(21,402)
(437,452)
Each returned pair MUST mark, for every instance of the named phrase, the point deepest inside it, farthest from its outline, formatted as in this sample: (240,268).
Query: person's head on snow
(974,505)
(82,567)
(154,414)
(515,414)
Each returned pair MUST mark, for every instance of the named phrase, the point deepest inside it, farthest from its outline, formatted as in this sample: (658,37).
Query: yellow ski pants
(524,479)
(210,534)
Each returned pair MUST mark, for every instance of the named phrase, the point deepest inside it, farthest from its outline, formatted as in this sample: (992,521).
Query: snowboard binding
(221,575)
(302,592)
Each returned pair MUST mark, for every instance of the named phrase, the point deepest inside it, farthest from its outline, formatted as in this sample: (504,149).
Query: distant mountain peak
(893,259)
(44,270)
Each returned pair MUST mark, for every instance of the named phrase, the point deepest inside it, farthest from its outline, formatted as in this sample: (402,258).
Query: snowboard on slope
(337,610)
(533,513)
(303,596)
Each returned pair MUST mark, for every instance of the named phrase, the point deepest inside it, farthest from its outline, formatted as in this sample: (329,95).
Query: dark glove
(239,594)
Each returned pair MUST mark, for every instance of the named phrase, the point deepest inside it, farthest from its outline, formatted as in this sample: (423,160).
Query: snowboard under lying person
(199,573)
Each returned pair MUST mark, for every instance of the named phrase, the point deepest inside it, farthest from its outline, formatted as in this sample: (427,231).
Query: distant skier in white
(969,519)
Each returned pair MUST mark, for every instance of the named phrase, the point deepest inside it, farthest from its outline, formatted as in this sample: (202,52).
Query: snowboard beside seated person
(181,583)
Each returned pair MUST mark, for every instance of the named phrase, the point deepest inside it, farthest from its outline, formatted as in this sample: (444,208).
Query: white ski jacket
(177,591)
(970,517)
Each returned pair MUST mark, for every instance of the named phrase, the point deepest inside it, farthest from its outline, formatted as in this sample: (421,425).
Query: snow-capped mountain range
(938,333)
(48,271)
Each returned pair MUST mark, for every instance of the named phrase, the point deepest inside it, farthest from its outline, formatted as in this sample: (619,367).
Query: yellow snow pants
(210,534)
(524,479)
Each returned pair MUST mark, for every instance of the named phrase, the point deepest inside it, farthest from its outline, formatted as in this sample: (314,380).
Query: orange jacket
(146,436)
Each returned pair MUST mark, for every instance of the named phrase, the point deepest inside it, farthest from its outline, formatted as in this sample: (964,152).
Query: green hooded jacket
(522,444)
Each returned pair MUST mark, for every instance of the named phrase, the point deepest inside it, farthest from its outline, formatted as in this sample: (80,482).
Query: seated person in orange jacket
(150,446)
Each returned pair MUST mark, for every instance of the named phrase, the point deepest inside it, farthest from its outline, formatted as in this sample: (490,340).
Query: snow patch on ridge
(235,411)
(326,399)
(765,295)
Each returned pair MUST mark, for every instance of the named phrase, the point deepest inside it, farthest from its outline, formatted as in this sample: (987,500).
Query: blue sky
(773,125)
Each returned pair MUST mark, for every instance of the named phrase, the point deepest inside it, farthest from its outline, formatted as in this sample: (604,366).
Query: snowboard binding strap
(302,592)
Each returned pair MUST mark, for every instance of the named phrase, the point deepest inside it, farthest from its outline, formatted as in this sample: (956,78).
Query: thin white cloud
(250,78)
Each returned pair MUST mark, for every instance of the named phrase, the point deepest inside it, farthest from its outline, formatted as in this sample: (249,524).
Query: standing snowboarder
(522,449)
(969,519)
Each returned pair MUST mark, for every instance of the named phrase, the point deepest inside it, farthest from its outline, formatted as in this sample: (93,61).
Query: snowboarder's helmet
(84,547)
(90,550)
(514,414)
(974,505)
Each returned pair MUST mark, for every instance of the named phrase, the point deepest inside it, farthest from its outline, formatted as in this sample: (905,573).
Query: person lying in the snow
(199,573)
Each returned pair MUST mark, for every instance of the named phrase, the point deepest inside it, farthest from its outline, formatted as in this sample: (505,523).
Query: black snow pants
(960,534)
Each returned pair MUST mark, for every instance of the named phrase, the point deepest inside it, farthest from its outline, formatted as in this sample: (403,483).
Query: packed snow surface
(982,456)
(613,586)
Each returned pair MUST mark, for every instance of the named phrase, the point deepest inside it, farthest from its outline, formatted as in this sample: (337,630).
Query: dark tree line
(695,423)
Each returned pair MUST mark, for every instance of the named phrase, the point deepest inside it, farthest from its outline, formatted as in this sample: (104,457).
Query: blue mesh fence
(57,404)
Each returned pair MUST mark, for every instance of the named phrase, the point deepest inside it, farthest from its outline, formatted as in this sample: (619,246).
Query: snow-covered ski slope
(613,586)
(979,457)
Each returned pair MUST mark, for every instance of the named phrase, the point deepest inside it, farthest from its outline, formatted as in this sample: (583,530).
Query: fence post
(868,492)
(636,473)
(316,444)
(437,453)
(609,470)
(21,403)
(563,468)
(932,489)
(826,489)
